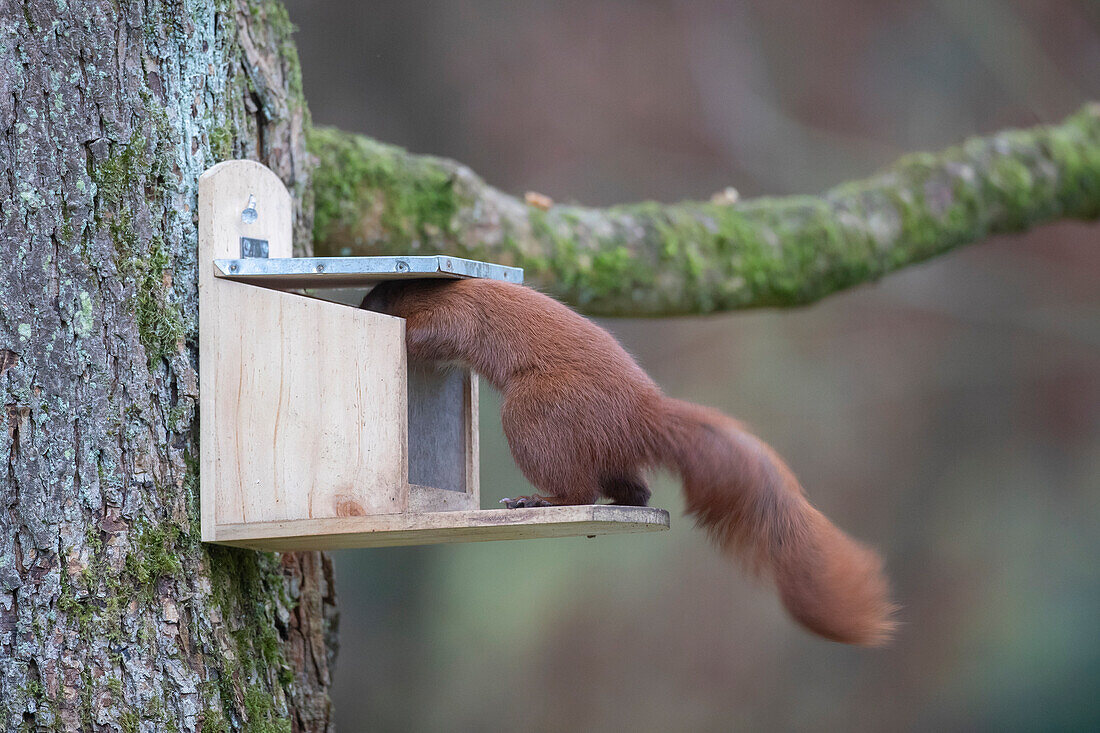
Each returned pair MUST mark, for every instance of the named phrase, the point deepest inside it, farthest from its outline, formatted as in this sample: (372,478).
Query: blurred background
(949,415)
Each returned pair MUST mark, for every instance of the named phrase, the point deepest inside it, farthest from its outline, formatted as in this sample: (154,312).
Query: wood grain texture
(442,527)
(303,401)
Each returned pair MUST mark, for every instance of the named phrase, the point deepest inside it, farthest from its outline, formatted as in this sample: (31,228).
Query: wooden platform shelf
(429,528)
(316,432)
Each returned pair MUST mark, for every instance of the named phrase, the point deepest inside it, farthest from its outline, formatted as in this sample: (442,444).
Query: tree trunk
(113,616)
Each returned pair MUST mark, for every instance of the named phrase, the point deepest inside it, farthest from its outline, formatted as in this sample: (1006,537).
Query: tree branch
(652,259)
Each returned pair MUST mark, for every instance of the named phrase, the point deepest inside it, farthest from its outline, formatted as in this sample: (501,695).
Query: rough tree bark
(113,616)
(653,259)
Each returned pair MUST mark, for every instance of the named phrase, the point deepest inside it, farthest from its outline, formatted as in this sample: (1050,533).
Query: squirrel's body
(583,420)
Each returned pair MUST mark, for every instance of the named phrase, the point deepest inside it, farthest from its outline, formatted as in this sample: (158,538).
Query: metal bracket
(252,248)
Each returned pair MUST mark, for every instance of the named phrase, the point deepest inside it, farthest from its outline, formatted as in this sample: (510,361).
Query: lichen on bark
(651,259)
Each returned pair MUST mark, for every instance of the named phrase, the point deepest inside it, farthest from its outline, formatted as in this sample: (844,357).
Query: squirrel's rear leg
(626,490)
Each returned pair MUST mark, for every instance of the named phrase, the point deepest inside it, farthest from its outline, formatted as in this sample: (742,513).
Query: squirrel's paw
(525,502)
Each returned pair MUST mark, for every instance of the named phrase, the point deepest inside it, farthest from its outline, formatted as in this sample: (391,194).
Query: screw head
(249,215)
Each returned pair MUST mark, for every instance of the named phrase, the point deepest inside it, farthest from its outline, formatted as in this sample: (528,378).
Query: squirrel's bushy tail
(750,503)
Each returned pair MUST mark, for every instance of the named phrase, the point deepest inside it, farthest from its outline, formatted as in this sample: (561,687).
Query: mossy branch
(652,259)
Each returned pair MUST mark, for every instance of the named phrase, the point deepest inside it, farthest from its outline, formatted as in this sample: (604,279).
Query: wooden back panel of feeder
(303,402)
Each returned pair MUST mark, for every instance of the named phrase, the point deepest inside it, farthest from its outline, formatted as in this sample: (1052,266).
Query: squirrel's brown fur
(584,421)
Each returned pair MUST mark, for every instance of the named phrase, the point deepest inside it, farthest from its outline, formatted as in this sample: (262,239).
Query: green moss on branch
(652,259)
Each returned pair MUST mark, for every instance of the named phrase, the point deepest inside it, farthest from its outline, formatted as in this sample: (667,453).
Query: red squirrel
(584,421)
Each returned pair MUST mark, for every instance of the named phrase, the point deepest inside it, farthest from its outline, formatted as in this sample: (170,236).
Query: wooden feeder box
(315,431)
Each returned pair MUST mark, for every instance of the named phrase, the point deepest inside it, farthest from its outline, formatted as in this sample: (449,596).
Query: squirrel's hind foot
(525,502)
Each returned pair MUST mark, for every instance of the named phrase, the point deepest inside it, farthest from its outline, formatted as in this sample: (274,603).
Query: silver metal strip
(342,272)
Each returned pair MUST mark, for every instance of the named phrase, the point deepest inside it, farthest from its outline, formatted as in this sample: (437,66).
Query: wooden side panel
(303,402)
(443,430)
(309,419)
